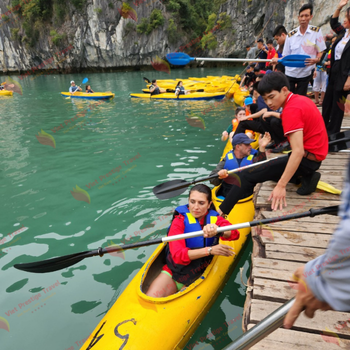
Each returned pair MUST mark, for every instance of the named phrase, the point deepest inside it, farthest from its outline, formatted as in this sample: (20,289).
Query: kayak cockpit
(151,270)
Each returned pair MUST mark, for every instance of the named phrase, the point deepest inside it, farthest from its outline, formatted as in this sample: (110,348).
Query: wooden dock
(280,248)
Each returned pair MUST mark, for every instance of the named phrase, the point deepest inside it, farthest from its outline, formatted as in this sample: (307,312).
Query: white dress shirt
(311,43)
(341,46)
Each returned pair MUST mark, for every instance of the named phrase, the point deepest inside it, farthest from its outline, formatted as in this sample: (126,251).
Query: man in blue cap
(241,155)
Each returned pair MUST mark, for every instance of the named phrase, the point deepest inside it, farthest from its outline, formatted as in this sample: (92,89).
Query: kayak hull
(190,97)
(93,96)
(137,321)
(6,93)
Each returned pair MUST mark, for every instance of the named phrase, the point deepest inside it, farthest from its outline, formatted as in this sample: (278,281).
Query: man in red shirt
(304,127)
(271,52)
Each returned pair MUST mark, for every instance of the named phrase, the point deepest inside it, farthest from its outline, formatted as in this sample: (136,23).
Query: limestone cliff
(102,34)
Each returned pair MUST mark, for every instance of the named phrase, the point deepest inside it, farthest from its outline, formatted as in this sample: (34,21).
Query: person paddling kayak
(187,259)
(73,88)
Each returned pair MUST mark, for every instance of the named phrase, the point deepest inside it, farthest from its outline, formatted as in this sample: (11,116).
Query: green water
(116,151)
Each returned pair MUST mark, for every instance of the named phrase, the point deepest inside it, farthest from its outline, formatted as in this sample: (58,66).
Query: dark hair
(153,81)
(247,46)
(178,83)
(239,109)
(203,189)
(253,108)
(273,81)
(279,30)
(255,86)
(86,87)
(347,13)
(269,41)
(260,40)
(257,69)
(260,75)
(306,7)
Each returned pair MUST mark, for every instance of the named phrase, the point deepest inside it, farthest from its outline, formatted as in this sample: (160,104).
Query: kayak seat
(221,198)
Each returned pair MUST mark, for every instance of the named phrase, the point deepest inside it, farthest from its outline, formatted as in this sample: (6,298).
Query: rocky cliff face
(99,37)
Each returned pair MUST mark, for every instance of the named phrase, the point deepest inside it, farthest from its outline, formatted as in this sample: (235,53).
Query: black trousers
(333,106)
(272,125)
(270,171)
(299,85)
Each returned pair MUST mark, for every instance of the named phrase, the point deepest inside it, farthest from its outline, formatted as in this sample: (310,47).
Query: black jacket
(344,71)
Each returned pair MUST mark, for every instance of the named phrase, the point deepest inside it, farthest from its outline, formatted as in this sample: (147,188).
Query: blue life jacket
(192,225)
(232,163)
(186,274)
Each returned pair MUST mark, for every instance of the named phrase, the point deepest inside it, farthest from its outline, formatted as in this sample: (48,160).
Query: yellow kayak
(93,96)
(191,96)
(6,93)
(137,321)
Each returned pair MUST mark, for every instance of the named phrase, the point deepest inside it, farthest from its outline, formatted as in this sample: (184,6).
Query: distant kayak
(193,96)
(93,96)
(6,93)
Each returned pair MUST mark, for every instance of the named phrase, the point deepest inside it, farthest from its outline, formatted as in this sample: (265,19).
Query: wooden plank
(308,253)
(288,257)
(278,275)
(275,264)
(293,226)
(282,339)
(333,321)
(262,201)
(269,236)
(331,219)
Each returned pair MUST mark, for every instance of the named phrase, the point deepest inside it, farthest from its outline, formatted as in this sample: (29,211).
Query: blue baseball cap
(241,138)
(248,101)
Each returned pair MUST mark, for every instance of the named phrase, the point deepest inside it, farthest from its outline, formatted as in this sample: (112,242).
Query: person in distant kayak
(73,88)
(187,259)
(229,132)
(88,89)
(155,89)
(180,90)
(242,154)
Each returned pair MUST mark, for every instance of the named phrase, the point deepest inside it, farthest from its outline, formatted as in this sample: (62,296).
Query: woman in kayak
(187,259)
(88,89)
(180,90)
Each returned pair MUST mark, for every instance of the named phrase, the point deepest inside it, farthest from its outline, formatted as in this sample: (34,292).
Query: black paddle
(172,90)
(62,262)
(146,80)
(174,188)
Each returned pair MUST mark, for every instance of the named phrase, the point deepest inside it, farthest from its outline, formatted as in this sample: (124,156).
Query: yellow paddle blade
(323,186)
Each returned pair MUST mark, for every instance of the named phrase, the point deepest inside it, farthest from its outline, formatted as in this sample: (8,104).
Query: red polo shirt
(300,113)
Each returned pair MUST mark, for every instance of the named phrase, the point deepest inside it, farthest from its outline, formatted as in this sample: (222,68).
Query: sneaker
(283,146)
(271,145)
(309,184)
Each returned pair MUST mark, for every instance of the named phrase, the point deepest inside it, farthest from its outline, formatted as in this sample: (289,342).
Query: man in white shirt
(304,40)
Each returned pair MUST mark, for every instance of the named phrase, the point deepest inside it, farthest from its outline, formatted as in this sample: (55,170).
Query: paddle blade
(178,58)
(85,80)
(146,80)
(294,60)
(324,186)
(53,264)
(170,189)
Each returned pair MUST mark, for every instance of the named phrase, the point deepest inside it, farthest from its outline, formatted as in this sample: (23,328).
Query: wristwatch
(209,250)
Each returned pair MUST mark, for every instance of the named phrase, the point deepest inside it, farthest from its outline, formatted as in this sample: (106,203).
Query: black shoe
(309,184)
(271,145)
(283,146)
